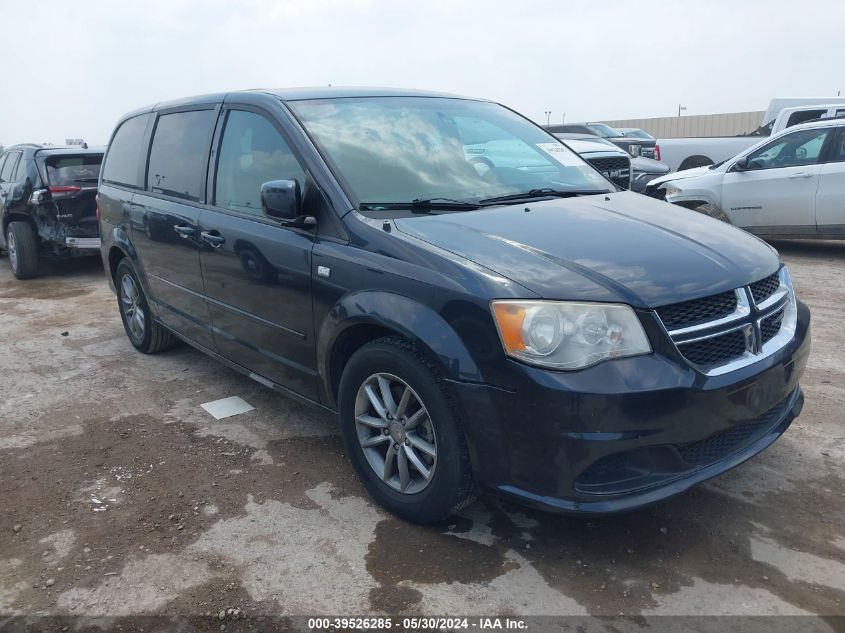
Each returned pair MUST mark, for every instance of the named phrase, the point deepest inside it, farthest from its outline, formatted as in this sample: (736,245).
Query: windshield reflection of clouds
(390,149)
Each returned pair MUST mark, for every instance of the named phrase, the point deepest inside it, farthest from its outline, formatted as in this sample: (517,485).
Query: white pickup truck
(686,153)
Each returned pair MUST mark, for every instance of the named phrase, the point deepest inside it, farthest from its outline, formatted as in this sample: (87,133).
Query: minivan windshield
(409,150)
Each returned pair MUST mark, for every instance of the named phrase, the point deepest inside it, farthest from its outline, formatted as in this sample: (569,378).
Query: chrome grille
(770,326)
(716,349)
(698,310)
(616,169)
(765,288)
(731,329)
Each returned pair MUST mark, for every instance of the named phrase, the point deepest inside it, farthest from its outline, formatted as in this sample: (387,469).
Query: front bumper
(640,180)
(630,432)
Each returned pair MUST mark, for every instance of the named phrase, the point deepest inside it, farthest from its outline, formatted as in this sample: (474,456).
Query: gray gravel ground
(120,496)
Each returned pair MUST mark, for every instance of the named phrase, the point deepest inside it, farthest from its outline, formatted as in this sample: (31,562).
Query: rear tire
(428,423)
(22,245)
(143,332)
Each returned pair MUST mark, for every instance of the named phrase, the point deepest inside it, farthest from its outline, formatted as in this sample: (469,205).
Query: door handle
(184,231)
(801,174)
(213,238)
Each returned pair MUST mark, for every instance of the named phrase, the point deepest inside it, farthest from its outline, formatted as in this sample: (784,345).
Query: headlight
(568,335)
(790,311)
(671,189)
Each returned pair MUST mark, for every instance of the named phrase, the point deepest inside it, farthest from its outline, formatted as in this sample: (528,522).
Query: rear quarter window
(73,170)
(126,153)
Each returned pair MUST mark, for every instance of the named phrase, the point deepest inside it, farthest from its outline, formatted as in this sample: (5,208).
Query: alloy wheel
(13,250)
(395,433)
(131,299)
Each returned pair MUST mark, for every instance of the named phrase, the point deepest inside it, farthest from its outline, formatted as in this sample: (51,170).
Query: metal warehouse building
(728,124)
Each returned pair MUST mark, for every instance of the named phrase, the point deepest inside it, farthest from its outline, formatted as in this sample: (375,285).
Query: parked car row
(481,307)
(684,153)
(788,185)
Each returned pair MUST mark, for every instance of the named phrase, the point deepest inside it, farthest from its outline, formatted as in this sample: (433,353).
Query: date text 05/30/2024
(416,624)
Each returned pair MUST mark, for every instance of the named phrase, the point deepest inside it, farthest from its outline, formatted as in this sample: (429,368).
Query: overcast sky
(70,69)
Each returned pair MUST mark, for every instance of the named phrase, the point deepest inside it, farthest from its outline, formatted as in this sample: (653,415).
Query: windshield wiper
(542,193)
(421,205)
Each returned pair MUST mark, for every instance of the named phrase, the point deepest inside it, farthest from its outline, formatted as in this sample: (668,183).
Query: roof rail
(823,118)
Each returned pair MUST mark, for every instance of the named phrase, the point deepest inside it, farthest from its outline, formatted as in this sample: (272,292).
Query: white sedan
(791,185)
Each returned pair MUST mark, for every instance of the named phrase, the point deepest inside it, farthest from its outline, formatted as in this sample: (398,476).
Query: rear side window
(179,153)
(125,154)
(73,170)
(801,116)
(9,166)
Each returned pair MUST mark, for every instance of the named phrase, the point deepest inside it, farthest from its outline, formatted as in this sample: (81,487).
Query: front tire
(22,244)
(143,332)
(402,433)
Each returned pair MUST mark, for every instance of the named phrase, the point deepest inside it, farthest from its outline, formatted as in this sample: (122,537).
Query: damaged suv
(520,326)
(48,204)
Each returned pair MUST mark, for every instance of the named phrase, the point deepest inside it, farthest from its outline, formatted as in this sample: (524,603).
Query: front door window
(792,150)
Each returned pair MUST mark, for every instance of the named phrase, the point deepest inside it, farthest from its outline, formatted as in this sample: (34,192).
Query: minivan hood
(616,247)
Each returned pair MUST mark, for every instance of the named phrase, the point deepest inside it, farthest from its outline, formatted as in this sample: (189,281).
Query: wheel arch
(16,216)
(115,255)
(120,247)
(361,317)
(691,204)
(705,207)
(696,160)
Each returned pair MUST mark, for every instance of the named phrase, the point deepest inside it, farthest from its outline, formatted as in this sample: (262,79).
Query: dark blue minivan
(521,327)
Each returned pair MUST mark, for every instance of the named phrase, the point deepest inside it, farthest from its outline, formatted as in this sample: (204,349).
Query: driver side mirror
(282,201)
(741,164)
